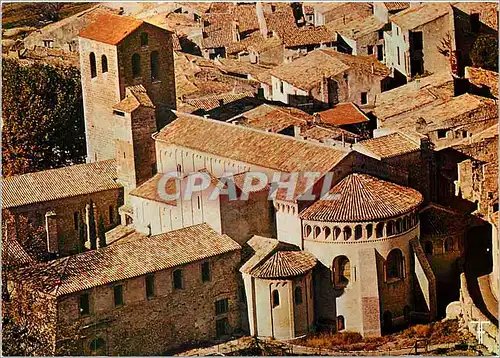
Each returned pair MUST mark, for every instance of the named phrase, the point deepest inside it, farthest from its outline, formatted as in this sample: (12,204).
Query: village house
(326,77)
(383,10)
(363,37)
(413,42)
(60,200)
(340,14)
(134,302)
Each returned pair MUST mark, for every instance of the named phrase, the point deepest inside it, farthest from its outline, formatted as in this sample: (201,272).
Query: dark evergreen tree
(101,232)
(92,227)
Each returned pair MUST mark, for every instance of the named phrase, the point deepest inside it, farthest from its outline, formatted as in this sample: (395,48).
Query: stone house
(63,34)
(413,42)
(117,52)
(383,10)
(364,37)
(59,200)
(342,13)
(326,77)
(141,309)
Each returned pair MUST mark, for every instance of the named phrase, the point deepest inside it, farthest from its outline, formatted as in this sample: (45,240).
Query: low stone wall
(470,314)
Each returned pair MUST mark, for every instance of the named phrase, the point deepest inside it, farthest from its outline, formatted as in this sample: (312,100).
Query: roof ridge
(247,128)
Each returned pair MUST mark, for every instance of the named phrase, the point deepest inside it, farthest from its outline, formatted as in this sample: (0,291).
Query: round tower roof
(362,197)
(284,264)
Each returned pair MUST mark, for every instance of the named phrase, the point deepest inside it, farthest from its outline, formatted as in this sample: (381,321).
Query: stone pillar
(51,230)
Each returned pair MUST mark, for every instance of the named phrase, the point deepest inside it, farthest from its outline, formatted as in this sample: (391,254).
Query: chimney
(221,102)
(51,230)
(373,68)
(317,118)
(296,132)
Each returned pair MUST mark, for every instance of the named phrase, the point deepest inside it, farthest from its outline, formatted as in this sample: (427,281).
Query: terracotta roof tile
(362,197)
(307,72)
(396,6)
(208,103)
(123,261)
(54,184)
(342,114)
(273,118)
(342,13)
(135,96)
(248,145)
(316,35)
(420,15)
(483,78)
(285,264)
(436,220)
(281,21)
(246,15)
(359,28)
(321,133)
(149,190)
(110,29)
(218,36)
(388,146)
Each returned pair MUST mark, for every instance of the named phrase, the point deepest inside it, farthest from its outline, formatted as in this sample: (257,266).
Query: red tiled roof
(213,101)
(394,6)
(248,145)
(136,96)
(110,29)
(362,197)
(272,259)
(342,114)
(309,36)
(127,260)
(149,190)
(54,184)
(390,145)
(285,264)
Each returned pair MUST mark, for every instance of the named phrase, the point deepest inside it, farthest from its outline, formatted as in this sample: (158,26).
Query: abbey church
(375,250)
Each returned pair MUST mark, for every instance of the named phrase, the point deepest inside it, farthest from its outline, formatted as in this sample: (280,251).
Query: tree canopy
(43,125)
(484,53)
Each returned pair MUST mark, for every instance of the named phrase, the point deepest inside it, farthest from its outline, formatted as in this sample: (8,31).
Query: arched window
(307,231)
(341,271)
(448,245)
(179,168)
(336,232)
(104,63)
(136,65)
(298,295)
(390,228)
(276,298)
(394,264)
(144,39)
(317,232)
(155,68)
(387,318)
(97,344)
(399,226)
(358,232)
(406,313)
(93,66)
(340,323)
(369,231)
(428,248)
(347,233)
(327,232)
(379,230)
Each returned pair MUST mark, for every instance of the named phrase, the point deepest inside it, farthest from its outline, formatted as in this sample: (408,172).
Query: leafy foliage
(43,124)
(484,53)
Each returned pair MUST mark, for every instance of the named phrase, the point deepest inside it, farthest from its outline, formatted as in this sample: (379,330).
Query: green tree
(92,227)
(42,113)
(484,53)
(101,231)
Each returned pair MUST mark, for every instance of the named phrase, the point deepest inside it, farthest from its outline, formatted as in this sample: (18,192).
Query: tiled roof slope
(483,78)
(420,15)
(356,29)
(122,261)
(54,184)
(308,36)
(388,146)
(308,71)
(110,29)
(136,96)
(394,6)
(284,264)
(362,197)
(436,220)
(343,114)
(248,145)
(210,102)
(271,259)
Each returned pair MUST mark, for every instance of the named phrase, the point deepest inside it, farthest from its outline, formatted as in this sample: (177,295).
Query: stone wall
(171,318)
(424,278)
(470,314)
(66,209)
